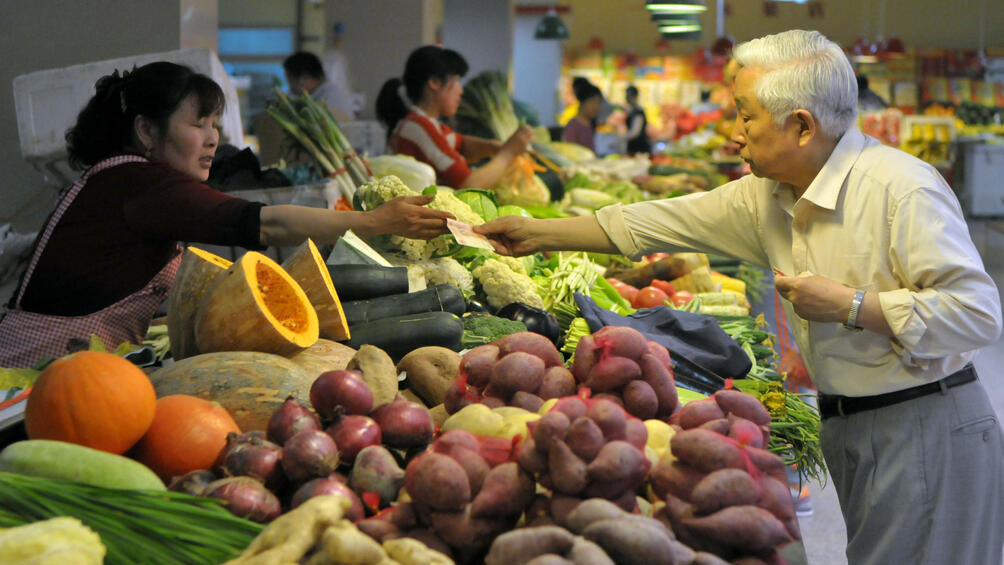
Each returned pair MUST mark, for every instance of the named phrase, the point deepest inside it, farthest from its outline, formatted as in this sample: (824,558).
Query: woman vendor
(107,256)
(581,128)
(410,108)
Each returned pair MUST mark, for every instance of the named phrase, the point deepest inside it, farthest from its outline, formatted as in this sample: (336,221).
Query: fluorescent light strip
(676,8)
(680,28)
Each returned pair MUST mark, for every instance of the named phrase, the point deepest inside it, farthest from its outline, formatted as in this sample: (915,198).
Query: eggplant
(536,320)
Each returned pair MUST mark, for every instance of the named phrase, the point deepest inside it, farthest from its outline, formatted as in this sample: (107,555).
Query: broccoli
(480,329)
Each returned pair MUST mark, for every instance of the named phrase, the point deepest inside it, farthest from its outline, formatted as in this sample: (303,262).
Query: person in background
(106,257)
(410,108)
(868,100)
(887,296)
(637,136)
(336,70)
(305,75)
(581,129)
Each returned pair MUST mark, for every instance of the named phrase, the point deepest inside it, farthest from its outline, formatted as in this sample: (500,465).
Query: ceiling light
(551,27)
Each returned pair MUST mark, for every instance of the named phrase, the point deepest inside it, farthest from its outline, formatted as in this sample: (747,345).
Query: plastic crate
(47,102)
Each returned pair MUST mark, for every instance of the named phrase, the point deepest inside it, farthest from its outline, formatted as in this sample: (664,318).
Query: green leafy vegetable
(480,329)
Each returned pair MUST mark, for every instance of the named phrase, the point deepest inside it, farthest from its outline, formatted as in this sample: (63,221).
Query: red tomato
(628,292)
(664,286)
(682,297)
(648,297)
(616,283)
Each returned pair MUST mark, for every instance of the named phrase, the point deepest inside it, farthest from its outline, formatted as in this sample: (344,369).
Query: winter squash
(307,268)
(255,306)
(187,434)
(250,385)
(198,271)
(94,399)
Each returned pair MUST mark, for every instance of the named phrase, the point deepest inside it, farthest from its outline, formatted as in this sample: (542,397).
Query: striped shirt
(432,142)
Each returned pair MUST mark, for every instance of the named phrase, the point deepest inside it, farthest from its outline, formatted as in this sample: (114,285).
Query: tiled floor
(823,533)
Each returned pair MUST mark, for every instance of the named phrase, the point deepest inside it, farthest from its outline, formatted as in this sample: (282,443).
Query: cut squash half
(255,306)
(308,269)
(198,271)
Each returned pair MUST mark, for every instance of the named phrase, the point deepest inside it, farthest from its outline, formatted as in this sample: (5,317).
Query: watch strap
(852,314)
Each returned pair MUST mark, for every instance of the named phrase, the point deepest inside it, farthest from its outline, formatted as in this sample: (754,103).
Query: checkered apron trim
(27,337)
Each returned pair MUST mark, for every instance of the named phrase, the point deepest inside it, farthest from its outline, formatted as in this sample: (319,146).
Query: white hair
(803,69)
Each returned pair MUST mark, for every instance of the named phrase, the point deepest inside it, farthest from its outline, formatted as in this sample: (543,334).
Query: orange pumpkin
(94,399)
(187,434)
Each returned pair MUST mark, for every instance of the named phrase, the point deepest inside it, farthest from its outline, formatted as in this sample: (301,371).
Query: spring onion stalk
(577,329)
(153,527)
(486,101)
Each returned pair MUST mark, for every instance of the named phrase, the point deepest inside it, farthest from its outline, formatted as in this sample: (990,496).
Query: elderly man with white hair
(887,293)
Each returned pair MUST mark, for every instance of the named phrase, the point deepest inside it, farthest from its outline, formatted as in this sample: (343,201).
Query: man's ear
(145,132)
(807,125)
(434,83)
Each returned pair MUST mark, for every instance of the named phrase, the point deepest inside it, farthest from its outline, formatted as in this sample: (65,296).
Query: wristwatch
(852,314)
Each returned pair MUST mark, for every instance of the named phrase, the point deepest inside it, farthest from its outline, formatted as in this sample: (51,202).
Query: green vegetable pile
(480,329)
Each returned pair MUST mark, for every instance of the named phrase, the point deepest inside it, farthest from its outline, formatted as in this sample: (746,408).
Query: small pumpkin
(198,271)
(90,398)
(187,434)
(307,268)
(255,306)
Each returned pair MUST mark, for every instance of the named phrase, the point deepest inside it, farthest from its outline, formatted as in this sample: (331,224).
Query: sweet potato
(682,553)
(611,397)
(745,528)
(459,437)
(532,343)
(585,358)
(621,341)
(705,558)
(706,450)
(558,382)
(562,506)
(477,364)
(660,378)
(592,510)
(507,491)
(697,412)
(571,406)
(640,399)
(745,431)
(567,472)
(526,400)
(530,458)
(437,481)
(768,462)
(636,433)
(724,487)
(743,405)
(674,478)
(584,438)
(465,533)
(775,498)
(376,470)
(585,552)
(609,417)
(675,512)
(661,353)
(473,464)
(721,426)
(616,461)
(522,545)
(554,425)
(611,373)
(458,395)
(517,371)
(549,559)
(631,543)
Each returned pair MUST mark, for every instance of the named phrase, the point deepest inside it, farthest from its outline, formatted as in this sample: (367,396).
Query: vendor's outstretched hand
(519,141)
(407,216)
(815,297)
(510,235)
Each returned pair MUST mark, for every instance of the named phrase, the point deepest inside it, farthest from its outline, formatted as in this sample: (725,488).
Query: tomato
(656,257)
(664,286)
(616,283)
(682,297)
(649,297)
(628,292)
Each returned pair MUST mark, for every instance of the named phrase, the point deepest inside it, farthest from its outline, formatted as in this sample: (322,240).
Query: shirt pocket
(856,270)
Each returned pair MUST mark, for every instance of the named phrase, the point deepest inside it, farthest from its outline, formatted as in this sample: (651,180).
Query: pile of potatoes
(522,369)
(620,363)
(586,448)
(723,492)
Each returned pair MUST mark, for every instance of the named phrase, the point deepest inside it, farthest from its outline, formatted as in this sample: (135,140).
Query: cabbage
(414,173)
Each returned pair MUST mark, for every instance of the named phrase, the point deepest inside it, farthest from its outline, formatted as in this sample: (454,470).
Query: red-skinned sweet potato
(697,412)
(636,433)
(775,497)
(720,425)
(530,458)
(611,373)
(585,552)
(554,425)
(724,487)
(517,371)
(745,528)
(438,482)
(660,378)
(592,510)
(706,450)
(477,364)
(465,533)
(622,341)
(571,406)
(745,431)
(743,405)
(562,506)
(473,464)
(558,382)
(618,461)
(567,472)
(532,343)
(661,353)
(585,358)
(640,400)
(768,463)
(610,417)
(631,543)
(674,478)
(584,438)
(526,400)
(524,544)
(507,491)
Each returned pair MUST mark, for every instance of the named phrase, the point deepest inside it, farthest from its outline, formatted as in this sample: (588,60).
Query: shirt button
(986,436)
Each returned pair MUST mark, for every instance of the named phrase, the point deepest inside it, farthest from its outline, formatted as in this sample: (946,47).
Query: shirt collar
(825,188)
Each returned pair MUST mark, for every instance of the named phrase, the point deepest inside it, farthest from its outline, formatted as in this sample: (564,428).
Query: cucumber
(70,462)
(359,282)
(399,335)
(439,298)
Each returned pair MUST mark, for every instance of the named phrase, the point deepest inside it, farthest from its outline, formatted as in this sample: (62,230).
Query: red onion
(193,482)
(291,417)
(353,433)
(404,424)
(309,454)
(252,457)
(317,487)
(246,498)
(345,389)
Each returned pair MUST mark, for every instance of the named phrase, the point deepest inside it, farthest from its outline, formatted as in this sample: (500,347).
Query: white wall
(46,34)
(536,68)
(481,31)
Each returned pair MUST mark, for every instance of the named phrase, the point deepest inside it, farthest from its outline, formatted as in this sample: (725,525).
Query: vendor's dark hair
(104,127)
(587,91)
(632,90)
(303,63)
(423,64)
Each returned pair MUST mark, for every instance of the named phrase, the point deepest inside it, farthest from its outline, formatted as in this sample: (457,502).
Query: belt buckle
(840,407)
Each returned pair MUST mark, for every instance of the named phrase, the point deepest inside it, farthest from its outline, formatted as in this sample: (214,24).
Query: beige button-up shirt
(874,218)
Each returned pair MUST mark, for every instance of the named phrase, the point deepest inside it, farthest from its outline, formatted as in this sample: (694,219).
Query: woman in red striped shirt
(410,108)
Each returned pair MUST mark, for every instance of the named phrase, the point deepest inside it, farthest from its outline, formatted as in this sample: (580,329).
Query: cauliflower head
(503,286)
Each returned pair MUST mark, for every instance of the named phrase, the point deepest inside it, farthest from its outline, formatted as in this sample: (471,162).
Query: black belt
(835,405)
